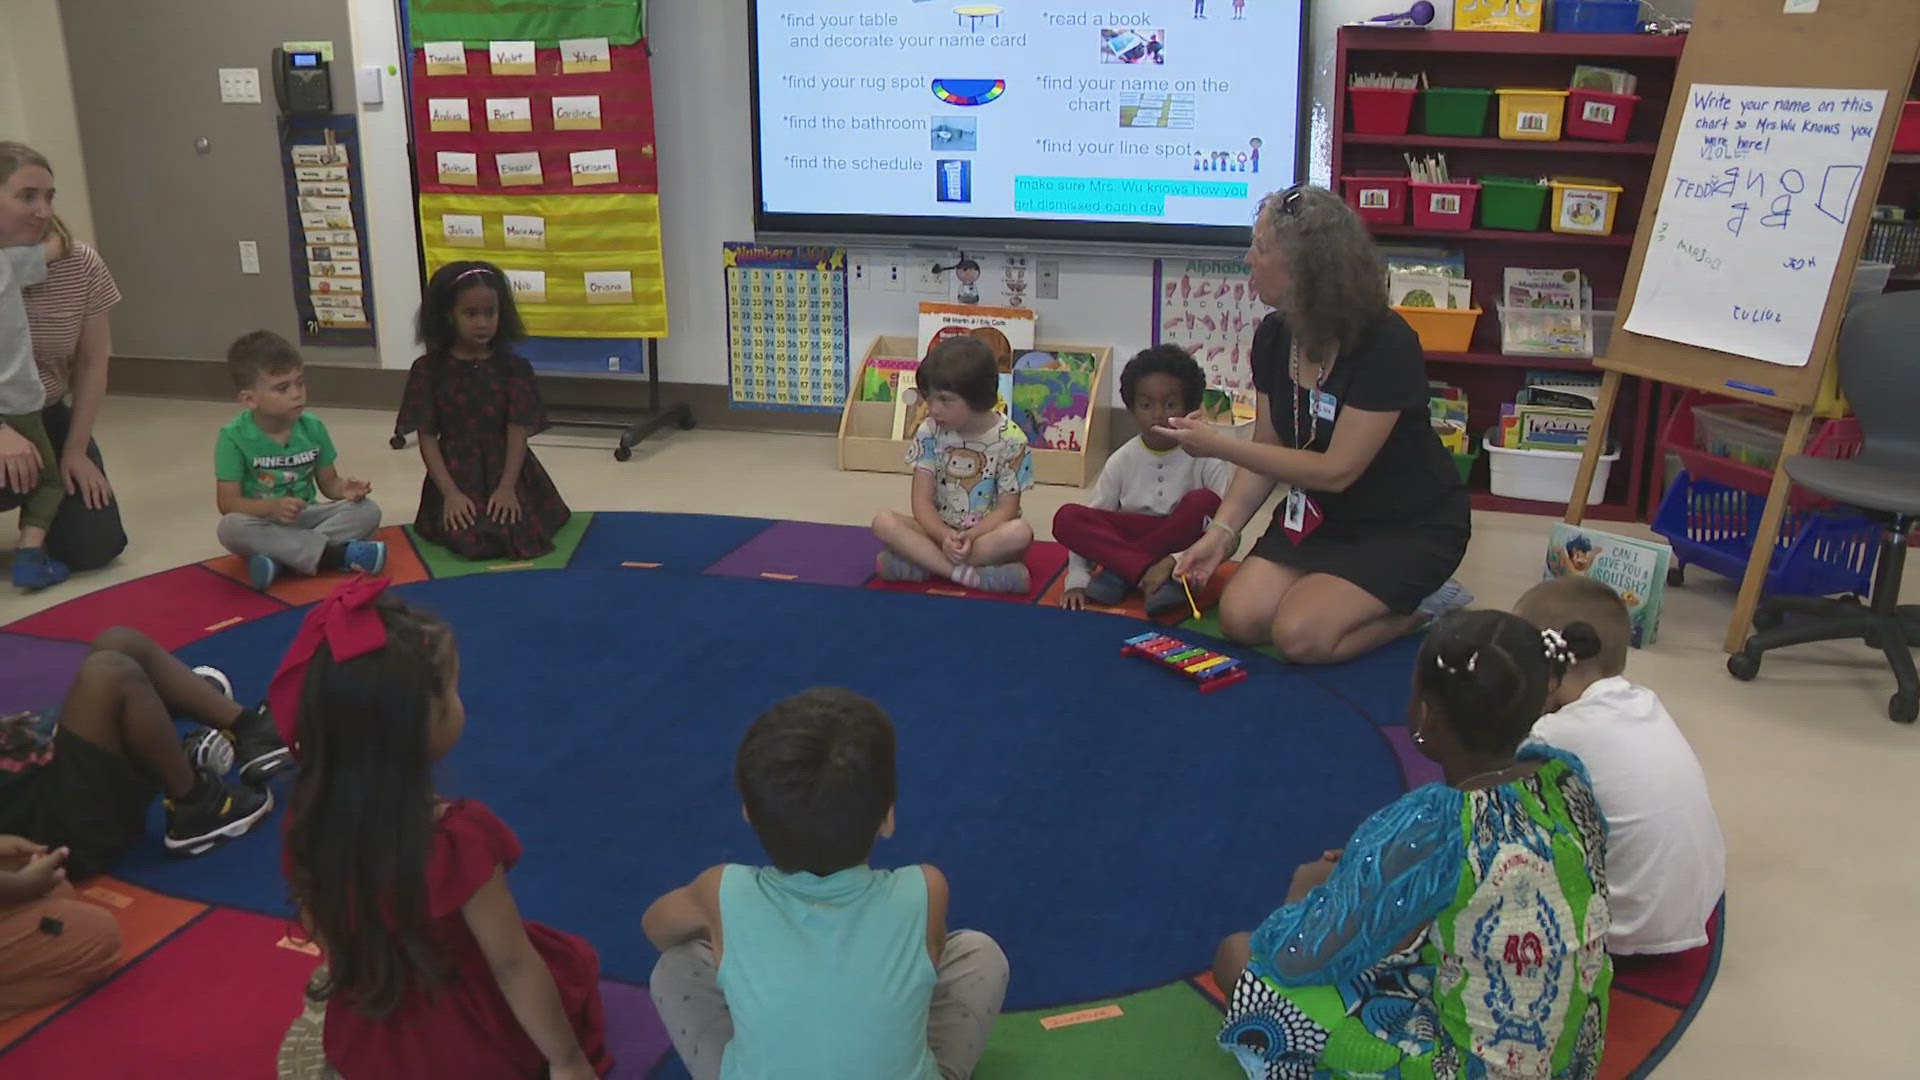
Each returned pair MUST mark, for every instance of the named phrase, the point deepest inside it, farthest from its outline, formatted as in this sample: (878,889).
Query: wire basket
(1818,553)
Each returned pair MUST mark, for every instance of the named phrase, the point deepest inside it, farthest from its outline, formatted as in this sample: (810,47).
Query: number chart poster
(1752,218)
(786,326)
(1208,307)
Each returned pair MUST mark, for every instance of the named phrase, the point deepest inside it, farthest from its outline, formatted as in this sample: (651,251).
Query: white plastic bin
(1545,475)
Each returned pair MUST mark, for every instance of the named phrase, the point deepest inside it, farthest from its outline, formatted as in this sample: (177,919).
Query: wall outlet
(926,281)
(859,274)
(249,257)
(240,86)
(892,276)
(1046,285)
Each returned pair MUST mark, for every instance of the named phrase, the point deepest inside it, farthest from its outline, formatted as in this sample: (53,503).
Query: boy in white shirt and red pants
(1152,498)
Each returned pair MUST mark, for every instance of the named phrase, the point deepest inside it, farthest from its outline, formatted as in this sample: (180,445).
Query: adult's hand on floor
(19,462)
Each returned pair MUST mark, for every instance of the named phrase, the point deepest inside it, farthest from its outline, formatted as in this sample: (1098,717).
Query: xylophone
(1210,669)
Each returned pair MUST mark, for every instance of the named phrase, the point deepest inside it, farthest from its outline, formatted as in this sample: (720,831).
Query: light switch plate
(240,86)
(249,257)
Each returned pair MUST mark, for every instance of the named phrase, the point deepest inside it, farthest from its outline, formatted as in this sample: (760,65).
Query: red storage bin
(1379,200)
(1598,116)
(1906,137)
(1380,110)
(1444,206)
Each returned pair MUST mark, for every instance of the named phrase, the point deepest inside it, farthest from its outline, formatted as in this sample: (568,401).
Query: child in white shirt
(1152,498)
(1666,861)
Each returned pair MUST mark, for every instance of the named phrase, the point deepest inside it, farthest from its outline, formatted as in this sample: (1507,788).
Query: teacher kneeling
(1377,520)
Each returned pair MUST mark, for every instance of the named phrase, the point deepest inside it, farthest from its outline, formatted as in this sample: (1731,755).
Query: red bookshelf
(1492,60)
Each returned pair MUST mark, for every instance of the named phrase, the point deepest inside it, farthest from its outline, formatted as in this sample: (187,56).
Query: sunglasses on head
(1290,202)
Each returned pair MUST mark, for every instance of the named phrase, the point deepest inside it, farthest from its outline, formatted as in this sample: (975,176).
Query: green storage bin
(1466,462)
(1517,203)
(1460,111)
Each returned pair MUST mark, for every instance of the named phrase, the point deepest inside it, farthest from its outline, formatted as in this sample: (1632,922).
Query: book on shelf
(880,379)
(1635,569)
(1604,79)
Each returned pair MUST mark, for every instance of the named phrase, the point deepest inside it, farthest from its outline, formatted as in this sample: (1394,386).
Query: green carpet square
(1209,624)
(442,563)
(1169,1032)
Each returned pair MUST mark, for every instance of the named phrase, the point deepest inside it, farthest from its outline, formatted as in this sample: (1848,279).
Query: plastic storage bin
(1818,553)
(1906,137)
(1520,15)
(1380,110)
(1442,330)
(1596,16)
(1452,110)
(1749,434)
(1531,115)
(1544,475)
(1837,438)
(1379,200)
(1513,202)
(1584,207)
(1444,206)
(1598,116)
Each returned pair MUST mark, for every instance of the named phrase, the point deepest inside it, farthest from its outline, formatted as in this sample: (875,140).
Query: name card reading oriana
(610,287)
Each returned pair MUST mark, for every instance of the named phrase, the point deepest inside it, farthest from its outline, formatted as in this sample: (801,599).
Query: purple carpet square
(35,672)
(1413,764)
(635,1035)
(804,551)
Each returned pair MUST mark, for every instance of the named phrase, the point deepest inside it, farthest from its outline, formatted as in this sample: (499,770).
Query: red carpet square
(174,608)
(1046,560)
(146,918)
(1673,979)
(1136,605)
(1636,1027)
(403,566)
(213,1001)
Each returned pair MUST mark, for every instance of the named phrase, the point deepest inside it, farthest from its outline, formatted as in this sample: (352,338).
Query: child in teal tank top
(820,967)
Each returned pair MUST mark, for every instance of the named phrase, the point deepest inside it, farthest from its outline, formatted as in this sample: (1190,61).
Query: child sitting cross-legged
(970,466)
(820,967)
(1152,499)
(1666,861)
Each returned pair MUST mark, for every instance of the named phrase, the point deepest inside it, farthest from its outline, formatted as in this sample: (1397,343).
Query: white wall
(36,101)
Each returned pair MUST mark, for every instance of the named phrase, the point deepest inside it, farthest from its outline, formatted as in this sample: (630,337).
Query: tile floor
(1824,881)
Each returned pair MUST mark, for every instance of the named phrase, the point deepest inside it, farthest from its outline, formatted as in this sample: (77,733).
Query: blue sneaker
(1107,589)
(32,569)
(1452,597)
(367,555)
(262,572)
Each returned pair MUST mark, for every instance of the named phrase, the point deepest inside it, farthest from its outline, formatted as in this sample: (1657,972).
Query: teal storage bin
(1514,203)
(1459,111)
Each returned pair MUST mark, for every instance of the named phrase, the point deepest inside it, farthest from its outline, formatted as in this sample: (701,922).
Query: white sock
(966,575)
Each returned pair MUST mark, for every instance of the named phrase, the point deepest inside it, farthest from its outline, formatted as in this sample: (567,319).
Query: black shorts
(1399,563)
(88,799)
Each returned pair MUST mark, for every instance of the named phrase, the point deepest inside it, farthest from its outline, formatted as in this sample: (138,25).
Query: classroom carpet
(1073,795)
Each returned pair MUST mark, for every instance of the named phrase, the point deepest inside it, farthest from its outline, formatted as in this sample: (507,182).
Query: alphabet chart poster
(786,326)
(1752,217)
(1208,307)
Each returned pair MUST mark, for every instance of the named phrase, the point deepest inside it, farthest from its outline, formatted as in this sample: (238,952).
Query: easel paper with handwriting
(1752,216)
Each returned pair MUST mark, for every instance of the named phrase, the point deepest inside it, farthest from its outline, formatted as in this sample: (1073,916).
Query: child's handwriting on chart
(1752,215)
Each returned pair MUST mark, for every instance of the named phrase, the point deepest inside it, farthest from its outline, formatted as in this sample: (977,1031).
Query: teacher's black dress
(1400,530)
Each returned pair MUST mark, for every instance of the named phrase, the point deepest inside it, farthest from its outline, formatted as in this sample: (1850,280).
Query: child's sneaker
(213,813)
(257,746)
(1107,588)
(1451,597)
(261,572)
(894,568)
(218,678)
(1005,578)
(32,569)
(367,555)
(1167,599)
(209,750)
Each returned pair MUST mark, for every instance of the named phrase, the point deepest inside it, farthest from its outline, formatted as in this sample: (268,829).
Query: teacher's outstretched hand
(1197,435)
(1197,565)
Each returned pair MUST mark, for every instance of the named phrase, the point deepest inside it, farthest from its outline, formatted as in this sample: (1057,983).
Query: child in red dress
(430,971)
(475,404)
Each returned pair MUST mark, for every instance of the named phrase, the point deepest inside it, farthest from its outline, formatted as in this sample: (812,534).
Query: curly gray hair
(1336,278)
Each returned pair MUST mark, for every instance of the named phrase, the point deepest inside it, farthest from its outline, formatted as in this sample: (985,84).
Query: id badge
(1324,406)
(1301,516)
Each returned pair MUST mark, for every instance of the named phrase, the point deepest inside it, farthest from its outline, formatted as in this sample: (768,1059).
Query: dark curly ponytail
(1488,673)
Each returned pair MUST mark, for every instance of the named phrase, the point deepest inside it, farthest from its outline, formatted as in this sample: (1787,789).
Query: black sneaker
(216,812)
(257,746)
(209,750)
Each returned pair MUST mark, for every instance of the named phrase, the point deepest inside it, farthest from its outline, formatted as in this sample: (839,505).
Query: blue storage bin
(1596,16)
(1818,553)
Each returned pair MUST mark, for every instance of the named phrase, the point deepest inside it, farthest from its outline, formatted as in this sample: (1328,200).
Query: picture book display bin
(867,442)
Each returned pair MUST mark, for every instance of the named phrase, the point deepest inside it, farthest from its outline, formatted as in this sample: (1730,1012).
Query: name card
(446,57)
(350,286)
(509,114)
(577,113)
(329,190)
(610,287)
(458,168)
(595,167)
(525,231)
(448,114)
(331,236)
(463,230)
(529,286)
(579,56)
(518,169)
(511,57)
(307,173)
